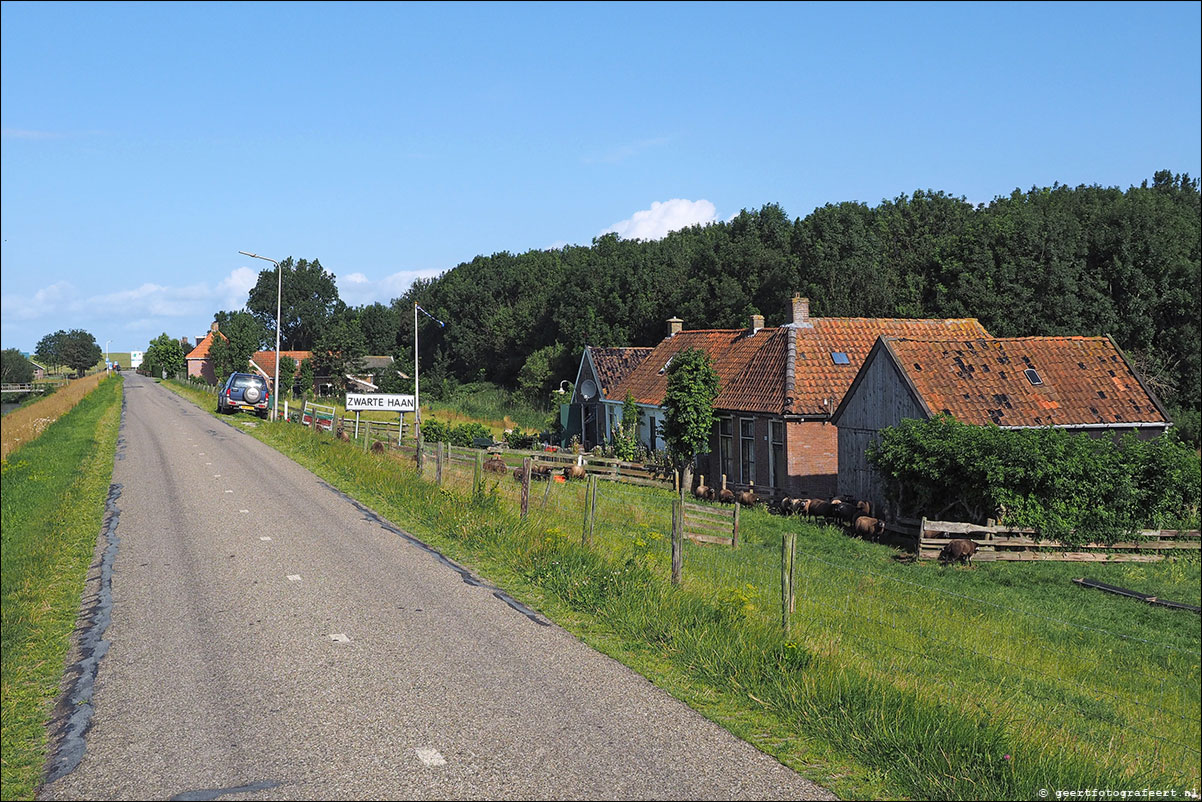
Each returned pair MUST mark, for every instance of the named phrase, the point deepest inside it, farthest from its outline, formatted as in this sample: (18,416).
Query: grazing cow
(961,549)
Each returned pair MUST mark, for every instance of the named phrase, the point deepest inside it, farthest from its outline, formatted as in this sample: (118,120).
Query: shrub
(1070,487)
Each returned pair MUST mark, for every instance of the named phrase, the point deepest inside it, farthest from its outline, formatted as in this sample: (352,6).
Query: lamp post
(106,354)
(279,291)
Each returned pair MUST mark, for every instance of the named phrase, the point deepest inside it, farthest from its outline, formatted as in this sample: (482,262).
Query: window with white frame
(746,450)
(726,446)
(778,466)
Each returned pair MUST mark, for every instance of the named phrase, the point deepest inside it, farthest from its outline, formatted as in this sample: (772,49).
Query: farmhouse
(600,371)
(200,365)
(1083,384)
(778,388)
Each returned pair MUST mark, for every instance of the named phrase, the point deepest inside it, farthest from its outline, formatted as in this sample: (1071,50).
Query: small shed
(1082,384)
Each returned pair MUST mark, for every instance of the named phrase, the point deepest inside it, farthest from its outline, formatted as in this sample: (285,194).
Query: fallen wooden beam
(1132,594)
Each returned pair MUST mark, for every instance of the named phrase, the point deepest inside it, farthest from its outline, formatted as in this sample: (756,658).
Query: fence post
(677,539)
(734,530)
(438,465)
(587,529)
(792,567)
(592,513)
(476,472)
(525,504)
(547,489)
(922,534)
(785,583)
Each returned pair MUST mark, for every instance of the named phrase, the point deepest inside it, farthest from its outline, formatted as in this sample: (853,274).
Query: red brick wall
(813,450)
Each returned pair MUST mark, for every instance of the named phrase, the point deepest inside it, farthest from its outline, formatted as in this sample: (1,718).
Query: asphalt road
(270,640)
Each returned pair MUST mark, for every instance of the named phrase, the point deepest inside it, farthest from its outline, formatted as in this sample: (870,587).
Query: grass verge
(52,498)
(899,680)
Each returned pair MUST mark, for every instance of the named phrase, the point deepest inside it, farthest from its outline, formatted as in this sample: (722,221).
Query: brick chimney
(755,324)
(801,312)
(214,326)
(674,326)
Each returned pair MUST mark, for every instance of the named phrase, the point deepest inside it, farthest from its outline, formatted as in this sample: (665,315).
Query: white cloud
(356,289)
(235,287)
(663,218)
(40,304)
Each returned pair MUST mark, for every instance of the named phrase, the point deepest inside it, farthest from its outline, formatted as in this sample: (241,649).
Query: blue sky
(144,145)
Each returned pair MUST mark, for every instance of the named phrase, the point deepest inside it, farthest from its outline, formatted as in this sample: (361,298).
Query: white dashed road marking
(294,577)
(338,636)
(243,510)
(430,757)
(264,537)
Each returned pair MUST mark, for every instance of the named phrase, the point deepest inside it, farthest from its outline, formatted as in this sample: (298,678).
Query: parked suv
(244,391)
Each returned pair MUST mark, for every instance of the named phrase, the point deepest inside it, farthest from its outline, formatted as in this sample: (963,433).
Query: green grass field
(52,499)
(899,679)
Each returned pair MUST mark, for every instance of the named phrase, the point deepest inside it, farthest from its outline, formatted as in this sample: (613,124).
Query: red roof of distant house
(265,360)
(753,369)
(201,351)
(612,365)
(1027,381)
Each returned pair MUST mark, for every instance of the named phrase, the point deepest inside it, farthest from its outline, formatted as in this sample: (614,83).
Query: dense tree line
(1086,260)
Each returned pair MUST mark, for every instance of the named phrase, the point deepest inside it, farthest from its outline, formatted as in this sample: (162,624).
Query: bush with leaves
(1070,487)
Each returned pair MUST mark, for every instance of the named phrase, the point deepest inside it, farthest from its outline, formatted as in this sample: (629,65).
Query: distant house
(263,363)
(600,371)
(1082,384)
(778,388)
(200,365)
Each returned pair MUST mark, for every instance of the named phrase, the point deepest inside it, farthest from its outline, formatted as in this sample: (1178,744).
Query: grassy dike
(52,498)
(821,709)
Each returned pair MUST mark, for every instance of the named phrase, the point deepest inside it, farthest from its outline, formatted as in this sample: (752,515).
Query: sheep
(576,471)
(820,508)
(785,506)
(724,495)
(342,435)
(806,506)
(868,527)
(701,491)
(495,464)
(961,549)
(748,498)
(378,447)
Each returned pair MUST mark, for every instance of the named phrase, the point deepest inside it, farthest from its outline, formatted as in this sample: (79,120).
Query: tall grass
(898,679)
(24,425)
(52,497)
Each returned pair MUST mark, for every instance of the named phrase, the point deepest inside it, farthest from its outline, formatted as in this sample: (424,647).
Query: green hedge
(1071,487)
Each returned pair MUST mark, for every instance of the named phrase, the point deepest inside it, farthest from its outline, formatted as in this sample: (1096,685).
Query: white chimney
(801,312)
(674,326)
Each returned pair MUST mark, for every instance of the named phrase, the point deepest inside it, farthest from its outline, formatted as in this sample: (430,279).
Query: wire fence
(1084,686)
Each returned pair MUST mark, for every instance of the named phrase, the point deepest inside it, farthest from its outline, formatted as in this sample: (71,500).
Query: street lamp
(279,291)
(106,354)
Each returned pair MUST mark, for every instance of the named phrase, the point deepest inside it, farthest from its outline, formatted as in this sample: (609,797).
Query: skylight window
(1033,376)
(840,358)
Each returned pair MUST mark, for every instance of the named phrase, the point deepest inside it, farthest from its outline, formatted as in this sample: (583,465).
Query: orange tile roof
(614,364)
(819,379)
(1085,381)
(266,359)
(753,370)
(201,351)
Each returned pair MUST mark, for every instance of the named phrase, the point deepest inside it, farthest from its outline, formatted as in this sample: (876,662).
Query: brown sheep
(575,472)
(725,495)
(961,549)
(378,447)
(868,527)
(701,491)
(342,435)
(495,464)
(748,498)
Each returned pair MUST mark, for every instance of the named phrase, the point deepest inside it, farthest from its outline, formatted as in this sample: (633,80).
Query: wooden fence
(709,524)
(999,543)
